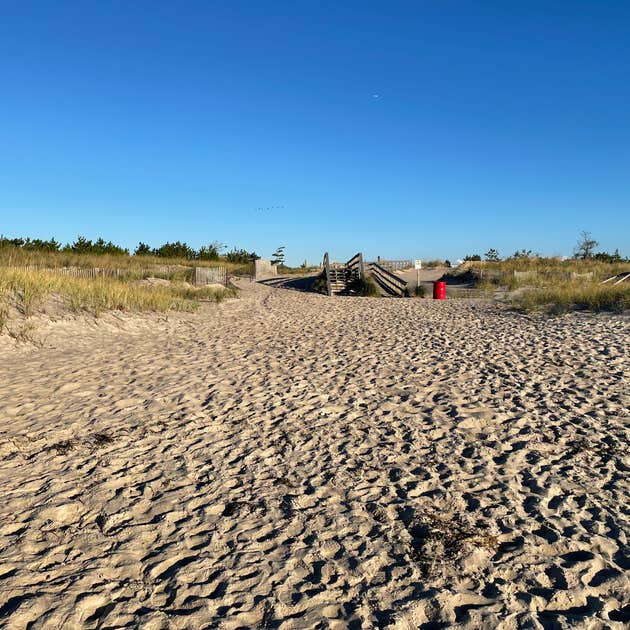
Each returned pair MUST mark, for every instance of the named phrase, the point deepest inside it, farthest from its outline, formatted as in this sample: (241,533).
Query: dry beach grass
(28,292)
(294,461)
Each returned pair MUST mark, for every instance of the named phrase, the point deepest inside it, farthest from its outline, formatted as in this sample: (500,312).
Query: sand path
(293,461)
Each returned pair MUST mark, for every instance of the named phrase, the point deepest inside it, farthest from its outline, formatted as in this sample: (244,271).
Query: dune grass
(368,288)
(29,290)
(575,296)
(131,266)
(553,284)
(540,272)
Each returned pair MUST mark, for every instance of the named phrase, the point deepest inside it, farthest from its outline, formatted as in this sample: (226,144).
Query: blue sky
(496,124)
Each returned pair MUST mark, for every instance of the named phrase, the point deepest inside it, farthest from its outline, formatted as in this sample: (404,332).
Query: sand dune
(294,461)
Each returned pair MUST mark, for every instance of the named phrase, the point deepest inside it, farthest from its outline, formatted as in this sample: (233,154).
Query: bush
(319,284)
(432,264)
(83,245)
(143,250)
(210,252)
(364,288)
(175,250)
(241,256)
(369,288)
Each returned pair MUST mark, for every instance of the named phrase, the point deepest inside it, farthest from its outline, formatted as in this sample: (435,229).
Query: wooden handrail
(394,265)
(355,260)
(389,281)
(355,268)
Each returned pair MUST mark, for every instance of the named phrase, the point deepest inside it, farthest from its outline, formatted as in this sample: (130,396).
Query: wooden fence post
(327,272)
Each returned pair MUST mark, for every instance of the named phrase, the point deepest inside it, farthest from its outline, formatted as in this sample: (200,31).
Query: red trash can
(439,290)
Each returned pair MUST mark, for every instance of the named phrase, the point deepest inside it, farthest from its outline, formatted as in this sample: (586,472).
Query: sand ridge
(287,460)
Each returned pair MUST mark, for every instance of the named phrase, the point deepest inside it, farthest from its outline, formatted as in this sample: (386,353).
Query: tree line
(175,249)
(583,250)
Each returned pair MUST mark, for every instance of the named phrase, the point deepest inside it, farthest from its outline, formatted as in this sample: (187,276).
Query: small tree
(472,257)
(241,256)
(175,250)
(523,253)
(81,245)
(615,257)
(211,251)
(142,250)
(585,246)
(492,255)
(278,256)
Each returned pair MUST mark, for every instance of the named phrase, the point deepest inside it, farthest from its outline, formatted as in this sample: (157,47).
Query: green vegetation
(492,255)
(319,284)
(421,291)
(241,256)
(553,283)
(364,287)
(570,297)
(432,264)
(283,270)
(130,267)
(525,271)
(278,256)
(84,252)
(28,291)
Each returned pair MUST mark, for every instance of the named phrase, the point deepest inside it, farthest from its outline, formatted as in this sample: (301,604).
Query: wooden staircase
(338,281)
(340,278)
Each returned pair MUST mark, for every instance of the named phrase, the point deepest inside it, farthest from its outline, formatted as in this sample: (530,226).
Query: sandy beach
(288,460)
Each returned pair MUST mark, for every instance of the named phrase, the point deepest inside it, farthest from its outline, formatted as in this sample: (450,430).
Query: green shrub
(319,284)
(368,288)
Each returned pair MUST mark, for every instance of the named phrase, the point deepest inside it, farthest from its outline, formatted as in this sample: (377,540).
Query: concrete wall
(264,269)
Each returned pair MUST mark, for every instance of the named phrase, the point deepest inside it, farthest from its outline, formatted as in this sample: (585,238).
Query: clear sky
(402,129)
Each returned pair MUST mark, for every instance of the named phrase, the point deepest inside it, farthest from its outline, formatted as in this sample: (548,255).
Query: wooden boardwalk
(342,279)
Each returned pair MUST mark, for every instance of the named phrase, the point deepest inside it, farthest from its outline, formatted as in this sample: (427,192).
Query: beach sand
(287,460)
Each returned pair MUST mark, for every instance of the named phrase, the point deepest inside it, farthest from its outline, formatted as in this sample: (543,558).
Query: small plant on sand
(63,447)
(100,439)
(208,294)
(369,288)
(421,291)
(92,442)
(319,284)
(366,287)
(437,540)
(25,333)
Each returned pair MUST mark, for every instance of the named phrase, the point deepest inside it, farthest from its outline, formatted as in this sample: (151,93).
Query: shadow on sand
(299,283)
